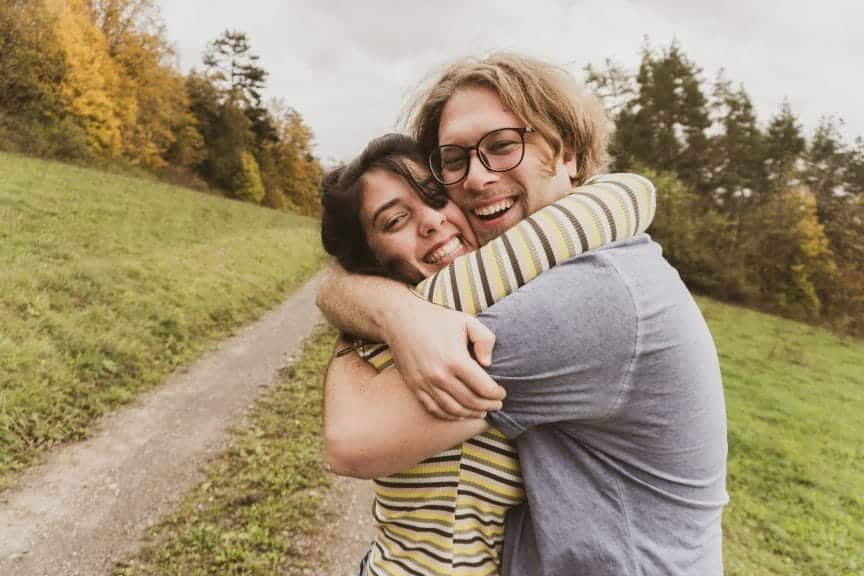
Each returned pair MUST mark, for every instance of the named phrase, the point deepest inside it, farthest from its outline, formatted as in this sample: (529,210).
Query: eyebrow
(382,208)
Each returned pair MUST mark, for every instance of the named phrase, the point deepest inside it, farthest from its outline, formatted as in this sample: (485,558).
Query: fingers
(480,385)
(483,341)
(465,396)
(432,407)
(450,406)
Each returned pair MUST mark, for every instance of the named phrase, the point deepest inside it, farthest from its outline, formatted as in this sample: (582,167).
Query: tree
(299,170)
(795,253)
(135,38)
(32,66)
(94,89)
(613,84)
(247,180)
(784,147)
(233,67)
(664,125)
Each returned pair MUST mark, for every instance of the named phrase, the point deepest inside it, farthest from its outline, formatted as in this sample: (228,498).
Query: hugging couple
(528,381)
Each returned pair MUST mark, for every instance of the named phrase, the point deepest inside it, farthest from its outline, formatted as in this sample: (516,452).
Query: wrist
(400,315)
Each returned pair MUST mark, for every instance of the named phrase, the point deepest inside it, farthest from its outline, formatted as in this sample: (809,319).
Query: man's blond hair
(542,95)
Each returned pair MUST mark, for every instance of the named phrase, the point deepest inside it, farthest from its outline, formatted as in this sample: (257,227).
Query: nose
(478,176)
(430,221)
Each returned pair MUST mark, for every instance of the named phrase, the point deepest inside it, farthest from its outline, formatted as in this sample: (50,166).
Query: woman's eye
(394,222)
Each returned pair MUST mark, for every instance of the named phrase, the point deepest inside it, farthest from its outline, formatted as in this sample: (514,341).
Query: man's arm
(431,345)
(565,346)
(364,306)
(374,426)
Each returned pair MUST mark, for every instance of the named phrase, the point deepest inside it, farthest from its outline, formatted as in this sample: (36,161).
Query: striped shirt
(445,515)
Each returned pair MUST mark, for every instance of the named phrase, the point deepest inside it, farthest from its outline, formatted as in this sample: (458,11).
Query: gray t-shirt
(615,403)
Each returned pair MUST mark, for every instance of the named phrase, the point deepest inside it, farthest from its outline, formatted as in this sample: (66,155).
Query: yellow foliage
(160,102)
(135,41)
(95,89)
(798,251)
(247,181)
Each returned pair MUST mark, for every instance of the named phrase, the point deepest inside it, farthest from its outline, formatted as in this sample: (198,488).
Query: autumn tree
(32,65)
(296,173)
(94,89)
(134,34)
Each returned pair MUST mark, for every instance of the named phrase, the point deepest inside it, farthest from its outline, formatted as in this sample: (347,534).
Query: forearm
(374,426)
(365,306)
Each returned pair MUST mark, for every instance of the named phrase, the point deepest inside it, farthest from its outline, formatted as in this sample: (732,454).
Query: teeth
(491,209)
(445,251)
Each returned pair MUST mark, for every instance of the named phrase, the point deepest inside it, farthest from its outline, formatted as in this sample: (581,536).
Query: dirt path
(347,538)
(90,503)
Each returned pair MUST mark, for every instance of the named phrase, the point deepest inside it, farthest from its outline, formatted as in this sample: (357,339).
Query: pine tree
(232,66)
(784,149)
(664,125)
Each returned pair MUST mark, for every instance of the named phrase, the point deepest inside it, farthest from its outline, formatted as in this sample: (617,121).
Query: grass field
(795,399)
(795,395)
(261,502)
(107,283)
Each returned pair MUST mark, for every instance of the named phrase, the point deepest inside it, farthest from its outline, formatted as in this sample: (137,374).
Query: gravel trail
(90,503)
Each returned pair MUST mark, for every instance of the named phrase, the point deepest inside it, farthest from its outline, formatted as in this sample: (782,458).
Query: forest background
(753,212)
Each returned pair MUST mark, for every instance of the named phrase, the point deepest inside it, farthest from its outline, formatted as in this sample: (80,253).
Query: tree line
(749,212)
(97,80)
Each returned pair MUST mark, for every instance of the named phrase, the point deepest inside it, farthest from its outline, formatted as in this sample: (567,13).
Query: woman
(383,214)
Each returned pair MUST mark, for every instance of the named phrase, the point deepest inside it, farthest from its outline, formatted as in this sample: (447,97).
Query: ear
(568,157)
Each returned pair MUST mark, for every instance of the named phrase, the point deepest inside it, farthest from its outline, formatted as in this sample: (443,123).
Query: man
(614,397)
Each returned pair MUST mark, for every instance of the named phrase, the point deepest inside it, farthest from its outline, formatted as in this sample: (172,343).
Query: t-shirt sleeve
(564,345)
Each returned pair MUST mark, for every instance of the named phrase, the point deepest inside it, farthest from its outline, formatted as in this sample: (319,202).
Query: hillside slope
(108,283)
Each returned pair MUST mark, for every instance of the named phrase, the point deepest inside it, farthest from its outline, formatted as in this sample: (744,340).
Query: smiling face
(411,238)
(496,201)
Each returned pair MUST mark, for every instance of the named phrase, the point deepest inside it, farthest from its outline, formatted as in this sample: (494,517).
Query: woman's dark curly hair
(342,195)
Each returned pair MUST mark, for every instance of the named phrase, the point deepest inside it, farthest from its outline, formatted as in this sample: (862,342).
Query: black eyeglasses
(499,151)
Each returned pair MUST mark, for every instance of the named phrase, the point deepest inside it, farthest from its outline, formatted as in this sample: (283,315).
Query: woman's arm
(432,345)
(375,426)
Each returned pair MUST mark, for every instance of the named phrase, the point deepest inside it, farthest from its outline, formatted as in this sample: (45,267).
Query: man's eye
(502,147)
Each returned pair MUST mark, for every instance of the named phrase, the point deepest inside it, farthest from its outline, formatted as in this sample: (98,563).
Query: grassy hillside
(795,399)
(794,393)
(107,283)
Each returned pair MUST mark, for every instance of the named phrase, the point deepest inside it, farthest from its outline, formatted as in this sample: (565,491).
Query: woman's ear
(568,158)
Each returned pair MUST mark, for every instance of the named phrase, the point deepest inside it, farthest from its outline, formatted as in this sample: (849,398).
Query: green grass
(795,402)
(795,396)
(107,283)
(261,504)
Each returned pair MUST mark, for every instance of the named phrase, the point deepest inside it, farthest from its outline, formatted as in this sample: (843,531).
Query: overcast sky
(349,66)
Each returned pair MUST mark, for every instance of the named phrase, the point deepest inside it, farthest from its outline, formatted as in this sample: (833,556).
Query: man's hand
(432,348)
(431,345)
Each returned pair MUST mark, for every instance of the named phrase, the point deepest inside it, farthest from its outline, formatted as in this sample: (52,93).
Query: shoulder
(584,303)
(600,279)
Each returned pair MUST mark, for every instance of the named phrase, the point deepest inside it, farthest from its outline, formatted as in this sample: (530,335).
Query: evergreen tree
(232,66)
(664,125)
(738,150)
(784,149)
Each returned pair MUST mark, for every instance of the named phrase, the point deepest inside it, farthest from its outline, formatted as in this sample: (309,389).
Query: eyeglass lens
(499,151)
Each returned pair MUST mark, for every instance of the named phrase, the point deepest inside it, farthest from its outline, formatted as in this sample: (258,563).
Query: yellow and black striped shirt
(445,515)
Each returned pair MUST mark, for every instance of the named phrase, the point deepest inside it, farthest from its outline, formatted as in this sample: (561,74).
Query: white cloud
(349,66)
